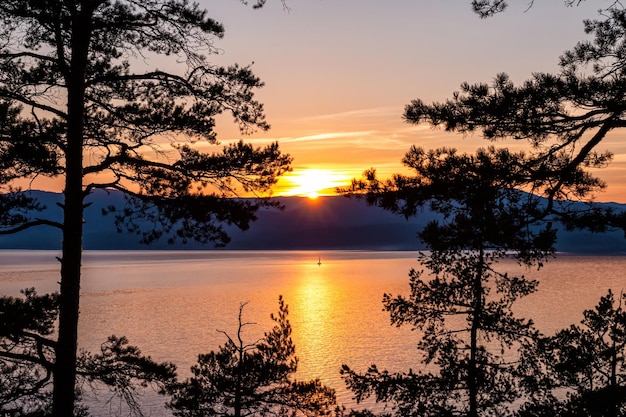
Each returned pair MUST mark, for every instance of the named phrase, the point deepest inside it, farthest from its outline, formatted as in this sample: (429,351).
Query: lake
(172,303)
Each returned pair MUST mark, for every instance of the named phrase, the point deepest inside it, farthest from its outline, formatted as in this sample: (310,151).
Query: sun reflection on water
(314,298)
(329,307)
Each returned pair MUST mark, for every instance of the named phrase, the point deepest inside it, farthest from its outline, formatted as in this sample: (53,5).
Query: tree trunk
(614,399)
(65,364)
(239,376)
(63,394)
(472,372)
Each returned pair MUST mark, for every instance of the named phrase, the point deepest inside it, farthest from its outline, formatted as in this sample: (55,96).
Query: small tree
(244,379)
(461,303)
(584,365)
(27,357)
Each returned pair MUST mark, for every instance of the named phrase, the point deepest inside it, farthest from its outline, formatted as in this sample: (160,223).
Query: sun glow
(313,183)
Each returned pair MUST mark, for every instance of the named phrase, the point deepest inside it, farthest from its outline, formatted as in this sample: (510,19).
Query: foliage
(27,357)
(565,116)
(474,193)
(26,352)
(537,111)
(488,8)
(80,104)
(582,368)
(460,302)
(16,208)
(242,379)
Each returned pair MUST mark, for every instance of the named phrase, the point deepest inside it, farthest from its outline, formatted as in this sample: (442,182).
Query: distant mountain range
(325,223)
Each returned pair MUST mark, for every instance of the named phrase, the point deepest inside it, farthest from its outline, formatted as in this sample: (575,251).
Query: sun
(313,183)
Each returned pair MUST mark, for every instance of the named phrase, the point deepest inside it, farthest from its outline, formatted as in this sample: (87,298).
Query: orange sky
(339,73)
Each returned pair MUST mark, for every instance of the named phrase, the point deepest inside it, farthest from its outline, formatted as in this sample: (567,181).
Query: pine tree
(79,103)
(460,302)
(244,379)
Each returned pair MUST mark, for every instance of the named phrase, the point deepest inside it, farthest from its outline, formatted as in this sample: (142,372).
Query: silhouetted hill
(329,223)
(324,223)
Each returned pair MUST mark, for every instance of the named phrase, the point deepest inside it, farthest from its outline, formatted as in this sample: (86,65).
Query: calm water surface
(172,304)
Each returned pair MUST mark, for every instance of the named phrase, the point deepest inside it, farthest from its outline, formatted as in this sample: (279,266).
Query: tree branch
(28,225)
(30,102)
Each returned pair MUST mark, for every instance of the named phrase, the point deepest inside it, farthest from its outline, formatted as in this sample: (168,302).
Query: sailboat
(319,261)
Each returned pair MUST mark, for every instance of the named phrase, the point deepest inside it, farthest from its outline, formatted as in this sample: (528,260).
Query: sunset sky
(339,73)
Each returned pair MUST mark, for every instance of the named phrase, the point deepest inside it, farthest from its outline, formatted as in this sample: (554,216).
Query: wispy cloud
(386,111)
(328,136)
